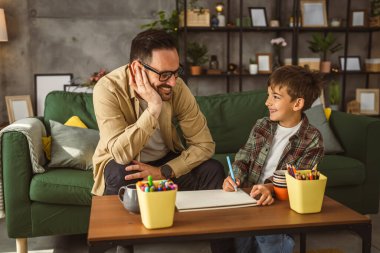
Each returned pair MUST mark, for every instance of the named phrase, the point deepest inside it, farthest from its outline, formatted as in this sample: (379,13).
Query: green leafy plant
(197,53)
(164,22)
(323,44)
(334,92)
(252,61)
(375,8)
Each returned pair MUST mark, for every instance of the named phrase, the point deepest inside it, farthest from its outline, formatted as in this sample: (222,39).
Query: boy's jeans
(263,244)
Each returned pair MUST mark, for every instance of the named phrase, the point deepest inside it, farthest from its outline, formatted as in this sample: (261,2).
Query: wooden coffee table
(111,224)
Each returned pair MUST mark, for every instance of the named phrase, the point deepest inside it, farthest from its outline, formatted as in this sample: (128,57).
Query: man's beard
(165,91)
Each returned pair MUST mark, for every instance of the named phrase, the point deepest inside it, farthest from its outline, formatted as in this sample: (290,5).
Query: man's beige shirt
(123,131)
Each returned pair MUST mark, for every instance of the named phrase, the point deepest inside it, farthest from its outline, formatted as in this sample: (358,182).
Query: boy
(286,137)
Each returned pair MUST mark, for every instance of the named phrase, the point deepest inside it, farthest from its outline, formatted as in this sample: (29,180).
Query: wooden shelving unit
(295,32)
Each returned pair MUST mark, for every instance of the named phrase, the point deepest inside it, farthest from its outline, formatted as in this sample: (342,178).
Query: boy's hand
(264,194)
(228,184)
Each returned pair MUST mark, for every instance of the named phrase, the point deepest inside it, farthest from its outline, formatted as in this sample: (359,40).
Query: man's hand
(145,90)
(262,192)
(228,184)
(145,171)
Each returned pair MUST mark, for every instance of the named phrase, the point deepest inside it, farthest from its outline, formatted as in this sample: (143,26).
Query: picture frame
(358,18)
(368,101)
(18,107)
(314,13)
(264,63)
(45,83)
(77,88)
(353,63)
(310,63)
(258,16)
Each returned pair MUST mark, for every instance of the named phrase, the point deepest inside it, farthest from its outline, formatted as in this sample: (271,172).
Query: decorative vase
(253,69)
(325,67)
(276,58)
(196,70)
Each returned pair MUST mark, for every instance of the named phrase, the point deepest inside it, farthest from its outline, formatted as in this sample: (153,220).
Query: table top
(110,221)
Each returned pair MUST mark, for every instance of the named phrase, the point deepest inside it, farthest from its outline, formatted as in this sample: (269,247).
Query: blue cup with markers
(157,202)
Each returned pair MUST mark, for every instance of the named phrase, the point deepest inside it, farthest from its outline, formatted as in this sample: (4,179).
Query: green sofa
(58,201)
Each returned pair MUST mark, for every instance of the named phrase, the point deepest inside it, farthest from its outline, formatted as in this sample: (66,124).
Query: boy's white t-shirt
(280,140)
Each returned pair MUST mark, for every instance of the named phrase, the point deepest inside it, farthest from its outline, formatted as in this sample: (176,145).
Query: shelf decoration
(324,44)
(196,55)
(334,94)
(358,18)
(278,44)
(350,63)
(369,101)
(221,18)
(258,16)
(313,13)
(264,62)
(374,20)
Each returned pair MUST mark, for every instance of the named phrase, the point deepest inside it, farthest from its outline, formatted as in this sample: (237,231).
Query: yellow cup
(306,196)
(157,208)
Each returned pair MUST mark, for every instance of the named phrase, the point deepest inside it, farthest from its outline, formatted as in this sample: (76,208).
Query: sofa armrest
(21,156)
(360,138)
(17,175)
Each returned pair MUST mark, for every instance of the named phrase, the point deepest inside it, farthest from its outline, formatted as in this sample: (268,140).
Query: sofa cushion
(317,118)
(231,117)
(72,146)
(61,105)
(62,186)
(342,170)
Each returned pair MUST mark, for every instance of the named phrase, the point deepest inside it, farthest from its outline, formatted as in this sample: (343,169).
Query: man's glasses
(164,75)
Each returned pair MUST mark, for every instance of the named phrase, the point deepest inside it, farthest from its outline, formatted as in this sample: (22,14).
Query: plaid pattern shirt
(304,150)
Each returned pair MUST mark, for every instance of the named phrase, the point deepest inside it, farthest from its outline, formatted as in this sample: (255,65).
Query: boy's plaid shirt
(304,150)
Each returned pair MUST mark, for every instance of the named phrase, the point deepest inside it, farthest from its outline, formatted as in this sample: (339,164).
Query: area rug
(323,251)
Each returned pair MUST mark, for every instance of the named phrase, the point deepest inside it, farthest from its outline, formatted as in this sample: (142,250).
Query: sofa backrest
(231,117)
(61,105)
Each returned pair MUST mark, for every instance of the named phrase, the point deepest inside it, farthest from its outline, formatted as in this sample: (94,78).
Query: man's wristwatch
(166,171)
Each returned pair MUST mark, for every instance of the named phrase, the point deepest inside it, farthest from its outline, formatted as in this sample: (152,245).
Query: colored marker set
(303,175)
(157,202)
(156,186)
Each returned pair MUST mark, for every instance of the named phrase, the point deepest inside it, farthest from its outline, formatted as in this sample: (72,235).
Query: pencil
(231,171)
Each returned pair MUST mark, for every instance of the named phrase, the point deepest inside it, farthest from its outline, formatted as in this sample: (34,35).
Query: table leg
(365,232)
(302,242)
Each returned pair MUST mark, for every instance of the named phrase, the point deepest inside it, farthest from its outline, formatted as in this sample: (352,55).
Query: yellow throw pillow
(328,113)
(46,146)
(74,121)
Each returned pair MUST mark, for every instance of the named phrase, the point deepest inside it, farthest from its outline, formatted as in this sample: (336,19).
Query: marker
(231,172)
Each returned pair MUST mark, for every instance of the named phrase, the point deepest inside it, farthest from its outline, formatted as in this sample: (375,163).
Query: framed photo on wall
(368,100)
(350,63)
(18,107)
(314,13)
(45,83)
(264,62)
(358,18)
(258,16)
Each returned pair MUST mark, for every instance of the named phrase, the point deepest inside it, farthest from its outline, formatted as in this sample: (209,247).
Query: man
(135,106)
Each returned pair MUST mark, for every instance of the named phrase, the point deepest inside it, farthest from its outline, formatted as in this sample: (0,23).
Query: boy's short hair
(299,82)
(147,41)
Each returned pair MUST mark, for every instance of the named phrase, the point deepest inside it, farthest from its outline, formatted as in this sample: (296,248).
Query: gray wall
(80,37)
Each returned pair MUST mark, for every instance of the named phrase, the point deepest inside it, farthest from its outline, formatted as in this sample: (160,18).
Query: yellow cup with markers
(156,207)
(306,196)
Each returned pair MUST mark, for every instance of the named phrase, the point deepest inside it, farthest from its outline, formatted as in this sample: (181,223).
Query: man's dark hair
(147,41)
(299,82)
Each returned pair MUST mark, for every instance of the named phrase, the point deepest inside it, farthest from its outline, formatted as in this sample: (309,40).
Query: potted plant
(168,24)
(252,66)
(323,44)
(334,94)
(196,55)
